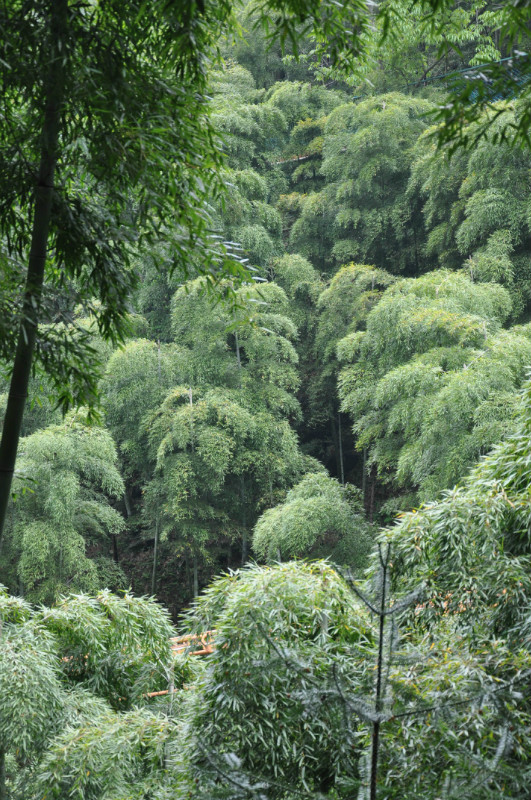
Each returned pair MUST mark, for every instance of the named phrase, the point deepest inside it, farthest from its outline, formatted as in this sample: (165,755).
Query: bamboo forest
(265,397)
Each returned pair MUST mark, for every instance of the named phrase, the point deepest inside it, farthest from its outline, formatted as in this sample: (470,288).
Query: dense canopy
(265,352)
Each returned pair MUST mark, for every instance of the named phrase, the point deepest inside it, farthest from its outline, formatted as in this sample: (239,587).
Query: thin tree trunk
(196,577)
(3,791)
(238,359)
(364,478)
(190,395)
(371,507)
(187,571)
(157,521)
(115,553)
(340,438)
(155,556)
(127,504)
(335,442)
(18,390)
(378,694)
(245,547)
(245,538)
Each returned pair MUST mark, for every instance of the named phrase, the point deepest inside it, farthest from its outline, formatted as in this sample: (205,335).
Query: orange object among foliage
(193,644)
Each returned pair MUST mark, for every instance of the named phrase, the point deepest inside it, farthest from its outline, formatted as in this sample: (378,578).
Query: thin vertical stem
(371,505)
(157,520)
(127,504)
(239,360)
(378,694)
(42,212)
(245,538)
(364,477)
(190,395)
(155,557)
(340,437)
(196,576)
(3,790)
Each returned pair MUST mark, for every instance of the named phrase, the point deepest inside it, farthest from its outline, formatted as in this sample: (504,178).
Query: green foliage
(471,96)
(302,101)
(303,285)
(286,703)
(417,47)
(40,410)
(367,155)
(112,756)
(472,545)
(264,57)
(136,380)
(471,550)
(343,307)
(432,377)
(66,477)
(252,131)
(62,670)
(319,519)
(312,233)
(115,146)
(213,411)
(476,207)
(250,349)
(455,733)
(30,685)
(117,648)
(256,715)
(218,463)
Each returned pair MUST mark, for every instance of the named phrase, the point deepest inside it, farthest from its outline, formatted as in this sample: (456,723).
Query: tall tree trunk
(3,791)
(364,478)
(340,439)
(238,359)
(127,504)
(157,521)
(155,557)
(190,396)
(245,547)
(196,577)
(335,442)
(379,673)
(371,505)
(245,538)
(18,390)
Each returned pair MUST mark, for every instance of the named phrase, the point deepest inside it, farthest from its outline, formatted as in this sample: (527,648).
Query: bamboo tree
(157,517)
(72,475)
(155,555)
(319,518)
(42,208)
(384,562)
(139,147)
(429,382)
(3,788)
(340,439)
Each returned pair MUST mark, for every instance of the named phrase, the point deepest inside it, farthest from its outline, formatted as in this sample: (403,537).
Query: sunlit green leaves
(318,518)
(66,477)
(432,377)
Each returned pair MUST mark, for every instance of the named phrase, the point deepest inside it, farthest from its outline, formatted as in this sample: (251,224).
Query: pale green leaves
(318,518)
(66,477)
